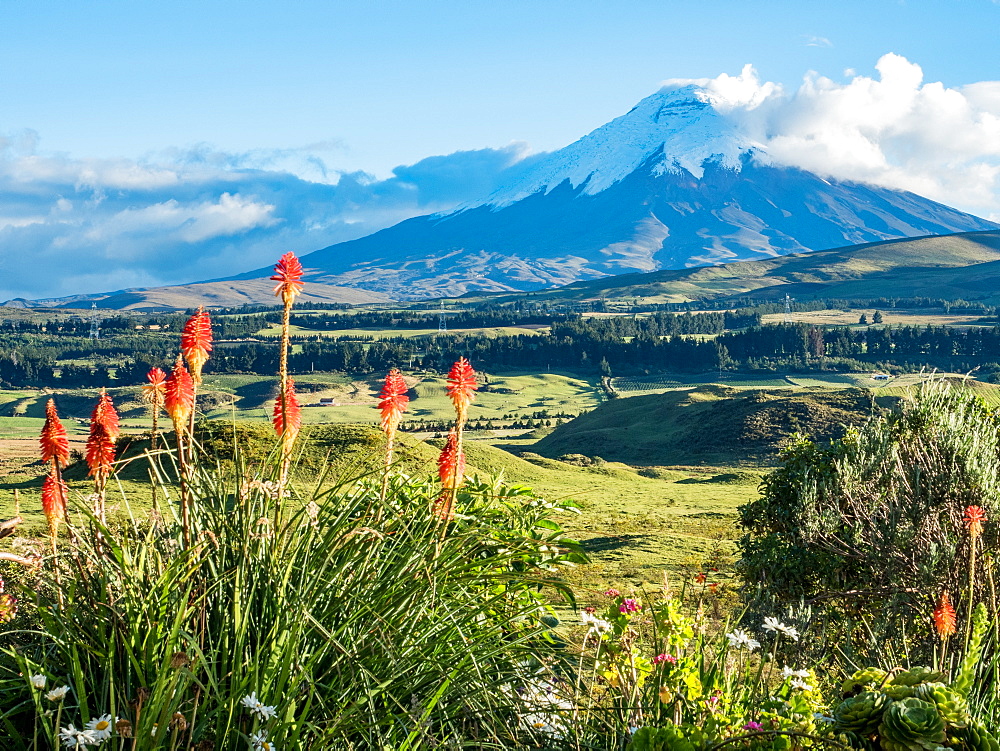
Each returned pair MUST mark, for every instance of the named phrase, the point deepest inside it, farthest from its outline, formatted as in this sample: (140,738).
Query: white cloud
(98,225)
(814,41)
(894,129)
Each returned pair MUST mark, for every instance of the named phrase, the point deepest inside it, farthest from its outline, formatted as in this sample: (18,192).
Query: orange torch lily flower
(451,462)
(104,414)
(196,342)
(461,387)
(54,441)
(54,493)
(288,275)
(393,401)
(178,396)
(975,517)
(944,617)
(287,423)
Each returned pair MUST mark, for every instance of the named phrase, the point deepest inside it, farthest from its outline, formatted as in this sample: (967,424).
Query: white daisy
(37,681)
(260,742)
(743,640)
(73,738)
(101,727)
(593,622)
(257,707)
(787,672)
(58,694)
(773,624)
(800,684)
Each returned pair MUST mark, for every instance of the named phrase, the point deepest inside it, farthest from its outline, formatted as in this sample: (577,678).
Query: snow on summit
(677,128)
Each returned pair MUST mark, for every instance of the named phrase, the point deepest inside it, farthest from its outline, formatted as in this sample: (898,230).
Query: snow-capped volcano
(673,130)
(671,184)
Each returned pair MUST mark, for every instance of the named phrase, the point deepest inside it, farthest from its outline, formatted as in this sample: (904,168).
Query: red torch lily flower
(288,275)
(975,517)
(288,422)
(196,342)
(54,441)
(54,493)
(944,617)
(100,451)
(451,462)
(461,387)
(154,390)
(104,414)
(178,396)
(393,401)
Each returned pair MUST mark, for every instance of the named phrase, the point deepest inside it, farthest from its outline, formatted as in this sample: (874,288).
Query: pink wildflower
(630,606)
(753,726)
(612,593)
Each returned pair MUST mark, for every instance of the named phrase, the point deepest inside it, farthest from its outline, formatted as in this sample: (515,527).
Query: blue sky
(225,131)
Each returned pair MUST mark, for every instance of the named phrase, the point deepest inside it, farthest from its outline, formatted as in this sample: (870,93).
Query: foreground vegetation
(300,592)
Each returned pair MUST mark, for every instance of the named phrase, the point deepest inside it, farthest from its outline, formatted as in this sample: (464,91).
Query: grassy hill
(965,265)
(708,425)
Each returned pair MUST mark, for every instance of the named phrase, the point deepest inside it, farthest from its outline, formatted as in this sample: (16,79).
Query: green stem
(972,582)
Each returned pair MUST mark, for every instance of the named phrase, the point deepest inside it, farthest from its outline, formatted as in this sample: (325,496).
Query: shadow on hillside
(613,542)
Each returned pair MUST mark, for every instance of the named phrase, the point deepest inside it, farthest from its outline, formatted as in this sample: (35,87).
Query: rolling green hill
(965,265)
(708,425)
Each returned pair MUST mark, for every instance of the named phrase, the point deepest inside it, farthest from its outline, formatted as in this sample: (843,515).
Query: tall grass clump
(251,610)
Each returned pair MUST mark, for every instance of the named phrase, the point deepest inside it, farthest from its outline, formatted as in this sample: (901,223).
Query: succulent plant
(917,675)
(864,679)
(911,725)
(978,738)
(861,714)
(951,705)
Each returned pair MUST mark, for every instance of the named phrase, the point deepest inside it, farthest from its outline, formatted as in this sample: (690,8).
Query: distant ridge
(209,294)
(959,266)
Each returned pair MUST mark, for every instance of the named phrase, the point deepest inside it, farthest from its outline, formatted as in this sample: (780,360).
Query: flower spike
(975,517)
(289,422)
(54,441)
(178,397)
(54,493)
(393,400)
(100,451)
(104,414)
(196,342)
(288,275)
(451,462)
(944,617)
(154,389)
(462,387)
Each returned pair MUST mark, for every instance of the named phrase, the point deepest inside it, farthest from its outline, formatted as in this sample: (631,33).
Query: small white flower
(73,738)
(773,624)
(37,681)
(743,640)
(260,742)
(257,707)
(800,684)
(58,694)
(787,672)
(101,727)
(594,623)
